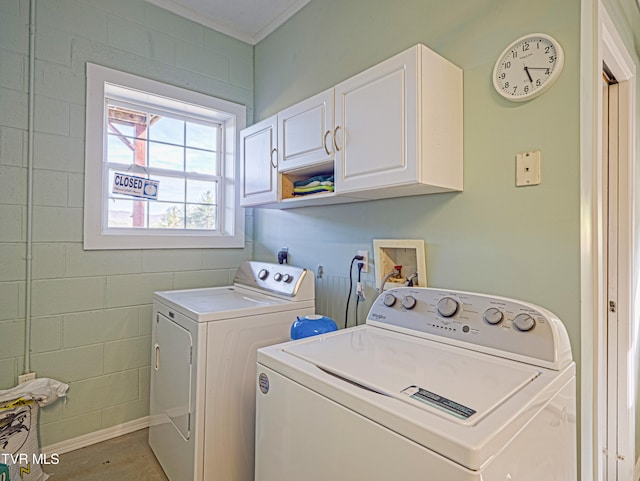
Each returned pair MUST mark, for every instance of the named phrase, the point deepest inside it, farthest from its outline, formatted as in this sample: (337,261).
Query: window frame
(102,82)
(123,100)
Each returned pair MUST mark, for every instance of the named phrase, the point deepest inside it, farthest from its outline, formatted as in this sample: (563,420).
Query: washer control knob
(447,306)
(493,316)
(263,274)
(277,277)
(408,302)
(287,278)
(524,322)
(389,300)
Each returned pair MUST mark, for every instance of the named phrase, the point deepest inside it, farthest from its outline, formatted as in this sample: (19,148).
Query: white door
(610,268)
(258,163)
(620,357)
(610,180)
(376,122)
(172,430)
(172,373)
(305,133)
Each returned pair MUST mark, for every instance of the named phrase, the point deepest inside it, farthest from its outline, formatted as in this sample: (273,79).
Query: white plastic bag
(19,407)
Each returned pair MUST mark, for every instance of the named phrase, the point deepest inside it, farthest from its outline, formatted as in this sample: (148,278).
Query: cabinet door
(305,132)
(258,163)
(376,125)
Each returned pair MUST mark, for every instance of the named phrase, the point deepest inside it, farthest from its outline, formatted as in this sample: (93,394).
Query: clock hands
(526,69)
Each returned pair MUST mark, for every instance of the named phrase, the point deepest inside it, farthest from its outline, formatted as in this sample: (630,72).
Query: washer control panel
(277,278)
(491,324)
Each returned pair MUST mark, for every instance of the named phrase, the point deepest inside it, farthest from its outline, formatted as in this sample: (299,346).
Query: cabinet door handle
(156,357)
(324,142)
(274,165)
(335,138)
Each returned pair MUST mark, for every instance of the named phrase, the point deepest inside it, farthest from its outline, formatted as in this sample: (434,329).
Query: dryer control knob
(493,316)
(409,302)
(389,300)
(263,274)
(287,278)
(524,322)
(447,306)
(277,277)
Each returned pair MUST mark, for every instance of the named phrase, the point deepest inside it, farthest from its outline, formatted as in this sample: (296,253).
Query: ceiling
(246,20)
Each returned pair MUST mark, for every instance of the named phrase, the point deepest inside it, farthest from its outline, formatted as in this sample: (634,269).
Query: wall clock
(528,67)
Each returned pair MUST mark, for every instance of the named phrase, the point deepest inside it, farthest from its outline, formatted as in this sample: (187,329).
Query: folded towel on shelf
(312,190)
(309,189)
(321,179)
(316,183)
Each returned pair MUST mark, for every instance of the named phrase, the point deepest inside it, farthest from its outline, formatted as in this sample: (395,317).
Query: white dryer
(203,368)
(439,385)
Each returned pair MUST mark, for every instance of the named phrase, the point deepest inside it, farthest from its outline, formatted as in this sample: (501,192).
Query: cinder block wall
(92,310)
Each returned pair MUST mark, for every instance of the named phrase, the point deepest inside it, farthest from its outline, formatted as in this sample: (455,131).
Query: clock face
(528,67)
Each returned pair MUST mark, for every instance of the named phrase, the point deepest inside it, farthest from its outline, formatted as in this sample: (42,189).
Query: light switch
(528,168)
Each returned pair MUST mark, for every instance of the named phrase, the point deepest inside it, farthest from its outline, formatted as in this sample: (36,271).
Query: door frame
(601,43)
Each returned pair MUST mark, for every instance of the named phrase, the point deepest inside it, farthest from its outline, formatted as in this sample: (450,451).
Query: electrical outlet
(283,255)
(365,260)
(29,376)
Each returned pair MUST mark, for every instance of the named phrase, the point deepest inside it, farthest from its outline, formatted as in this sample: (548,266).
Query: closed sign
(135,186)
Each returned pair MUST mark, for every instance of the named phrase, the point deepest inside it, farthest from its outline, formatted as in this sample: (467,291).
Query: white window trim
(233,116)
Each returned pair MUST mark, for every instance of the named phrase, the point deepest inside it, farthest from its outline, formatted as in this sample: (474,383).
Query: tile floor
(125,458)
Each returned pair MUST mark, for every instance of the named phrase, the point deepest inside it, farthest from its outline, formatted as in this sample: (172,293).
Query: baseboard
(97,436)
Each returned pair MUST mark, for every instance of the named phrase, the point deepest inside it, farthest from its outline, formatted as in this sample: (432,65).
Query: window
(177,148)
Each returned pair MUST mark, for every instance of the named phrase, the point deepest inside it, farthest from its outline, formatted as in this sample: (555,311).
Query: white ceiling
(246,20)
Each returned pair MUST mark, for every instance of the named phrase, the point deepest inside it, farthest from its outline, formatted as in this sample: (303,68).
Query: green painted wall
(92,310)
(493,237)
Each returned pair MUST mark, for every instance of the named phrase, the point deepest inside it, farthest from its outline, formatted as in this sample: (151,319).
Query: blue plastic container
(311,325)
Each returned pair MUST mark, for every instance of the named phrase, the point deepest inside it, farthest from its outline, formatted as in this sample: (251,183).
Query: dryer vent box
(408,253)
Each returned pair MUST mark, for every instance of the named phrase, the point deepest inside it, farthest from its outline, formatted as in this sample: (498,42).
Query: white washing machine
(203,368)
(438,384)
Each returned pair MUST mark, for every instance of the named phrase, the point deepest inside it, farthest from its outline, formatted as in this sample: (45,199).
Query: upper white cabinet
(394,130)
(399,127)
(305,133)
(258,163)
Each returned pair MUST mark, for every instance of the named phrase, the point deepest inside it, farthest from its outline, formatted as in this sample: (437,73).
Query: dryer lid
(457,384)
(220,303)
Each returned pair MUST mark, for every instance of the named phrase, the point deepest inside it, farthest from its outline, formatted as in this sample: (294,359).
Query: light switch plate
(528,168)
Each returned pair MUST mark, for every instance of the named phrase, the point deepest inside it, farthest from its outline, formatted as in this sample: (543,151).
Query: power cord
(346,310)
(359,293)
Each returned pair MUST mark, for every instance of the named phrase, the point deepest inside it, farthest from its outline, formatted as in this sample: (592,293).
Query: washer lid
(457,384)
(217,303)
